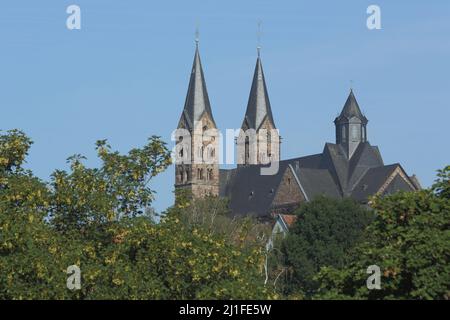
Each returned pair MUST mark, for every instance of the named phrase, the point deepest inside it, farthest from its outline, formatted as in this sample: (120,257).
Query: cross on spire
(258,34)
(197,35)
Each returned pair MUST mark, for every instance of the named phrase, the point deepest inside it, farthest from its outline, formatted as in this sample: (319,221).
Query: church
(350,167)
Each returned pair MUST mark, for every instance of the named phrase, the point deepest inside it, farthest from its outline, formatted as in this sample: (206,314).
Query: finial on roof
(351,85)
(197,35)
(258,48)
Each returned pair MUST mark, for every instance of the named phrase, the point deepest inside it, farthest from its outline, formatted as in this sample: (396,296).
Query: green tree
(325,231)
(212,214)
(27,264)
(99,220)
(87,198)
(409,240)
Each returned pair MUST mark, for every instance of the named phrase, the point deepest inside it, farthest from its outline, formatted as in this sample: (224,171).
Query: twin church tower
(258,141)
(200,176)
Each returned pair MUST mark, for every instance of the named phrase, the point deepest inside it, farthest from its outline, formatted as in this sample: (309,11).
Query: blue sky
(124,75)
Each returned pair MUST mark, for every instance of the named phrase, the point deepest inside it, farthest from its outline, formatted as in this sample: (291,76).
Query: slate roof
(197,100)
(372,181)
(364,158)
(351,109)
(328,173)
(333,172)
(258,107)
(250,193)
(316,182)
(335,160)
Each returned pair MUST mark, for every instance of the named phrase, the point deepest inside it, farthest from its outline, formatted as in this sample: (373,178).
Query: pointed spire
(197,100)
(351,109)
(258,107)
(351,126)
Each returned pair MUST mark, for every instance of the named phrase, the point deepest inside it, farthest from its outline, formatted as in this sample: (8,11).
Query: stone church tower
(349,168)
(351,126)
(197,165)
(258,141)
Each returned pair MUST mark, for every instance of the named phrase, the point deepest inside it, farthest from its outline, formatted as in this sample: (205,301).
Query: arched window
(247,149)
(181,153)
(210,174)
(200,152)
(269,144)
(200,174)
(187,175)
(364,134)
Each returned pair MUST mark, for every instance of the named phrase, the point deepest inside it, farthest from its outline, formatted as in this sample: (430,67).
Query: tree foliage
(409,240)
(97,219)
(212,214)
(325,231)
(101,220)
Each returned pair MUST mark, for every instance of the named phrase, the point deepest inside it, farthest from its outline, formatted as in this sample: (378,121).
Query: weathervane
(259,37)
(197,34)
